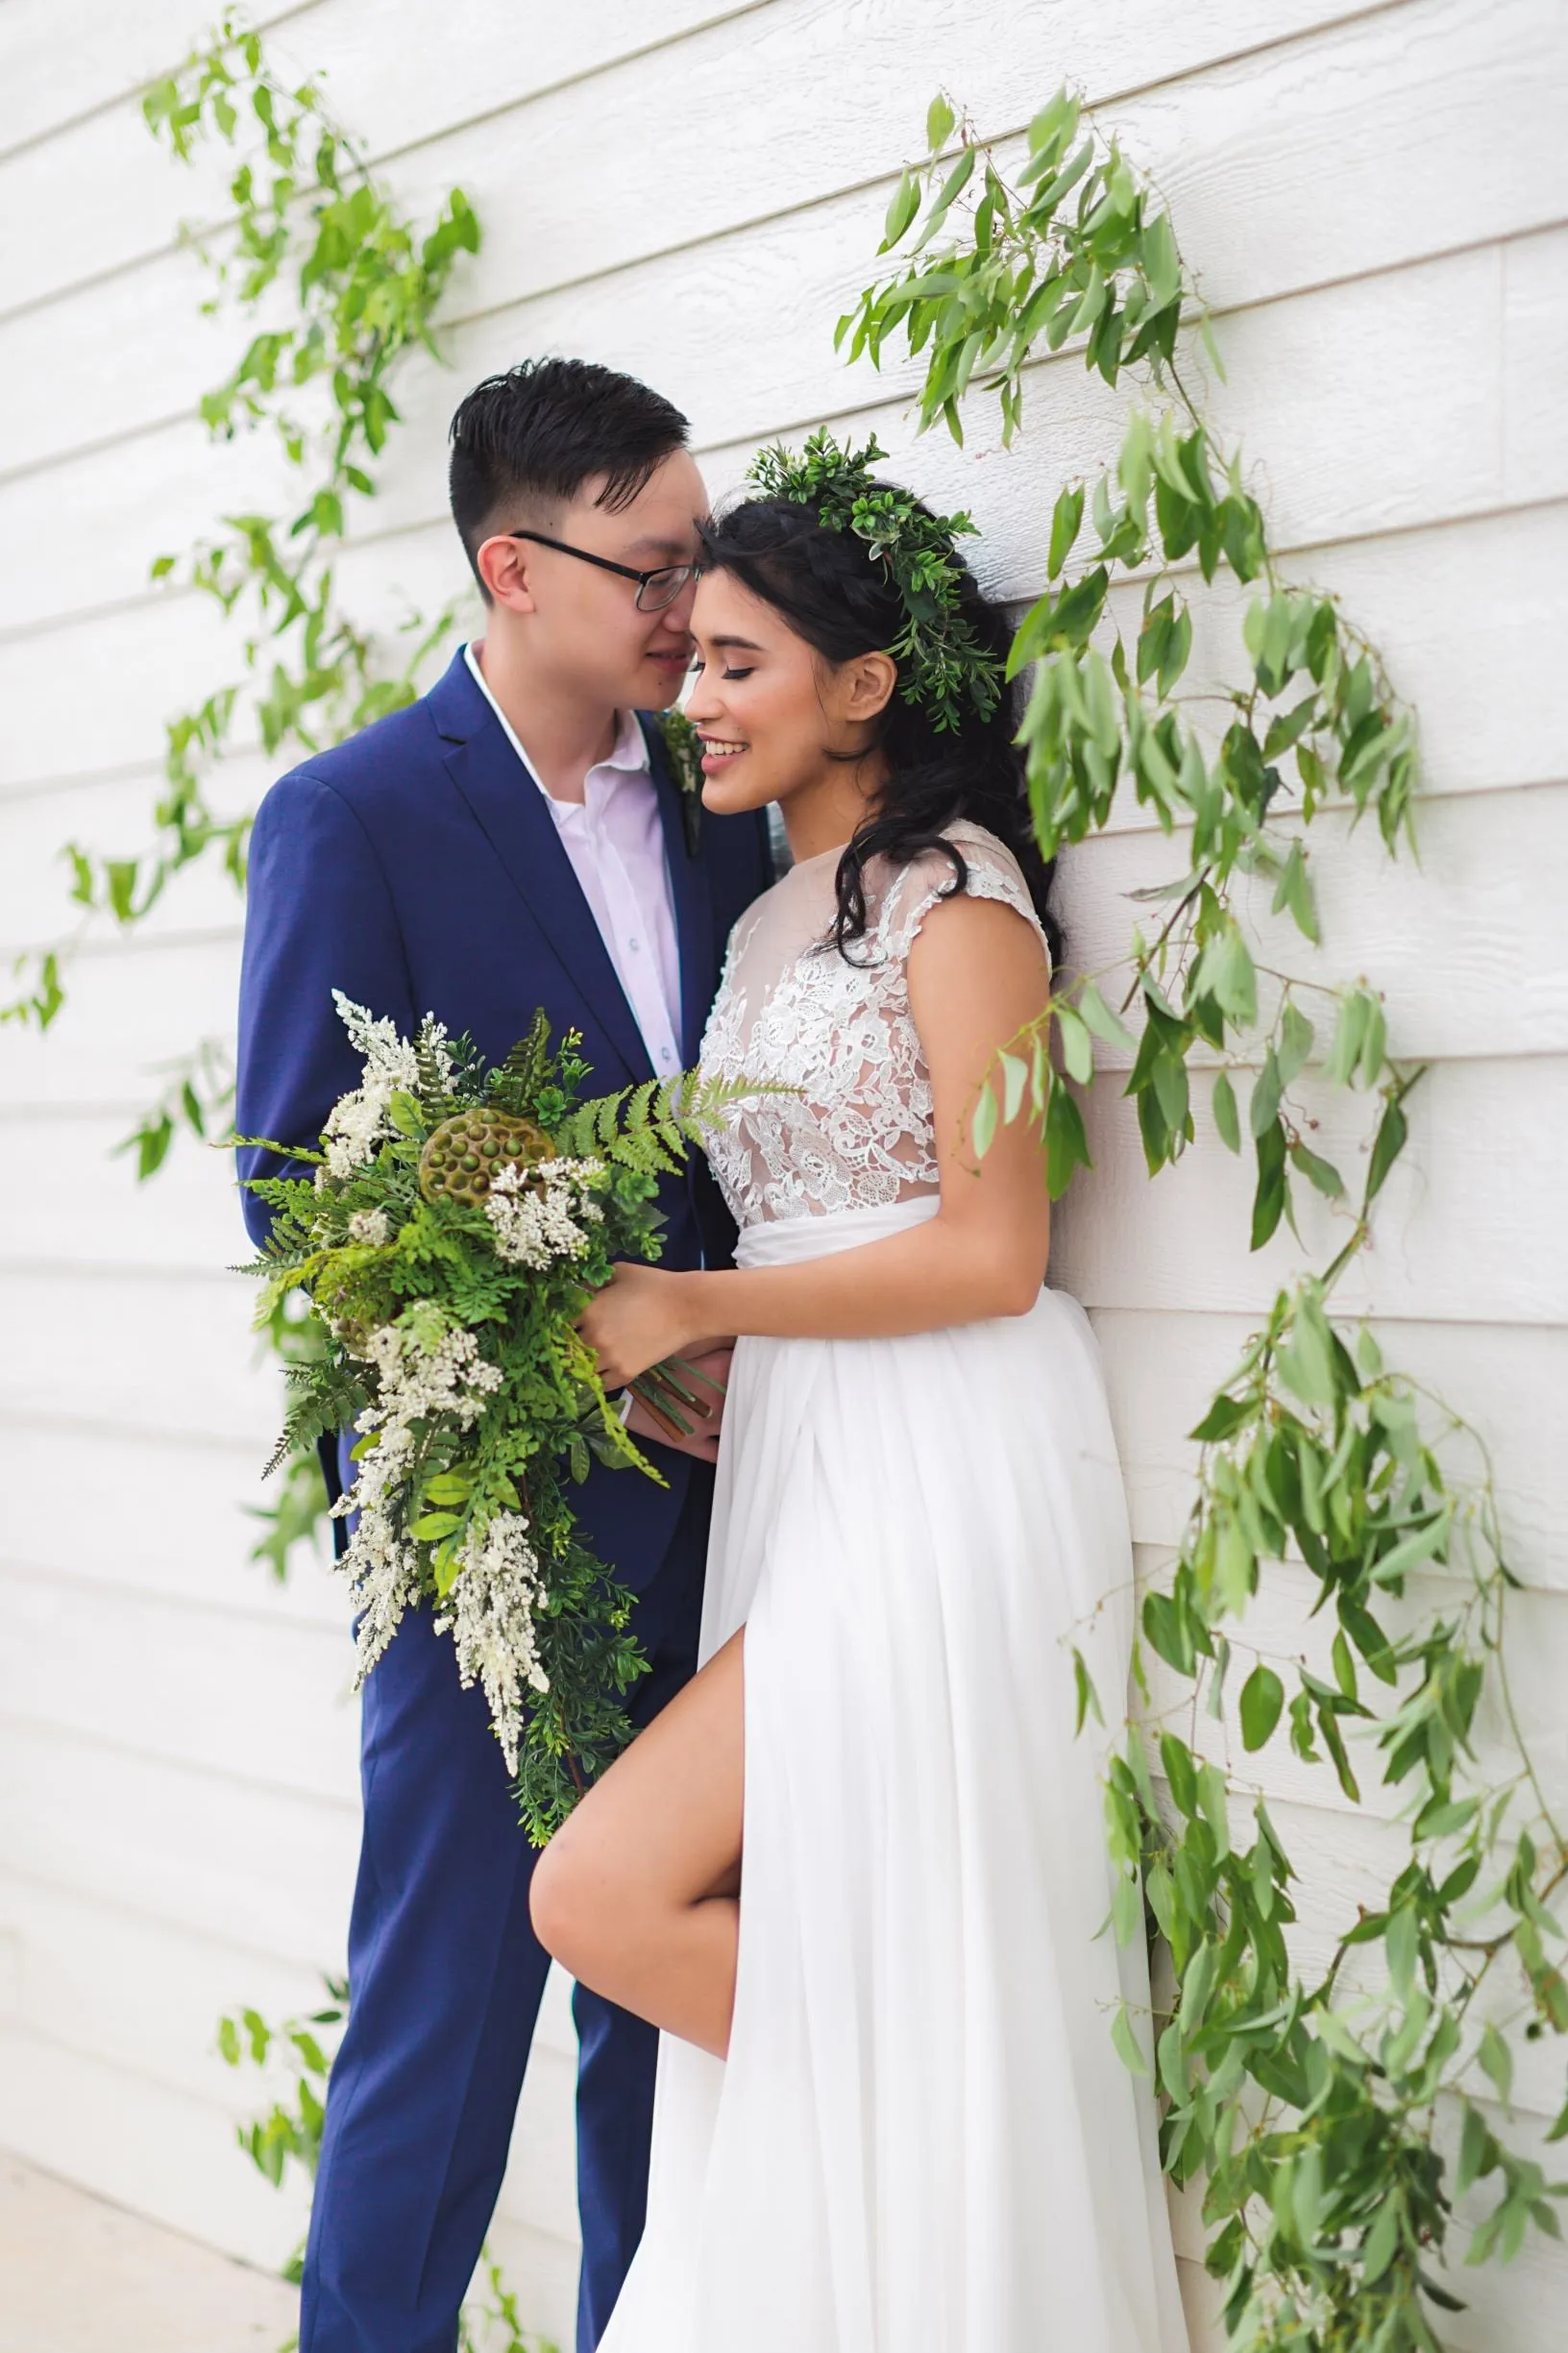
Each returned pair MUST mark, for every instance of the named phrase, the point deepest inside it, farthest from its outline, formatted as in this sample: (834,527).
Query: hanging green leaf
(1065,518)
(902,207)
(1393,1131)
(1126,2044)
(1263,1701)
(1294,894)
(1273,1186)
(1067,1143)
(940,119)
(1077,1052)
(1227,1120)
(1088,1698)
(1106,1025)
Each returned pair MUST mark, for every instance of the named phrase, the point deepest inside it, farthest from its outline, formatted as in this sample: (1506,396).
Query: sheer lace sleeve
(992,872)
(855,1131)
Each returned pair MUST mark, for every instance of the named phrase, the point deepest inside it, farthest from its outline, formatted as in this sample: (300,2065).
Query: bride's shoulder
(968,859)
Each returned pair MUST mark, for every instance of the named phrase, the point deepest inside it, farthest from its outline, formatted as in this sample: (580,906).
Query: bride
(889,2117)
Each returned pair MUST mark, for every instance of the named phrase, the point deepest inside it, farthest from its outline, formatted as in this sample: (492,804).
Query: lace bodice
(793,1012)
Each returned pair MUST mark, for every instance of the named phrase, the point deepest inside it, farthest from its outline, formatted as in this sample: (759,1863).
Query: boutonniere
(683,749)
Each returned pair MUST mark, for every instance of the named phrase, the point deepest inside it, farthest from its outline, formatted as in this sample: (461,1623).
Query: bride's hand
(642,1318)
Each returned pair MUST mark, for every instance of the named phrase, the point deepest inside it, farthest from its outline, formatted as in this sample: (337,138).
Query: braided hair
(832,591)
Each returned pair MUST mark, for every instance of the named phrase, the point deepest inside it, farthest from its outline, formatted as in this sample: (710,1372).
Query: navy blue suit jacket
(417,869)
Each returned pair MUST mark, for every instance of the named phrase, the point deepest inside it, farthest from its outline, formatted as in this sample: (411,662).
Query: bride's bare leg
(638,1896)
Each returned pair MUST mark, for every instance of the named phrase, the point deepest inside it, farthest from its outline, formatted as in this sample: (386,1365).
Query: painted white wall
(1376,197)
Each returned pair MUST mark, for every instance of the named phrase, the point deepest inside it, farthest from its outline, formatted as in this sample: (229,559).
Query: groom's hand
(706,1416)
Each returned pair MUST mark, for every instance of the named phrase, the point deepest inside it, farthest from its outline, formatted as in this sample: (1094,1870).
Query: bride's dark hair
(835,593)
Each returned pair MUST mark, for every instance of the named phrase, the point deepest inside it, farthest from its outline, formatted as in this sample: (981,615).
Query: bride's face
(774,716)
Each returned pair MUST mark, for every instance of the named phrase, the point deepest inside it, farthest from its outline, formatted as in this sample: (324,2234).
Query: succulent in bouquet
(455,1221)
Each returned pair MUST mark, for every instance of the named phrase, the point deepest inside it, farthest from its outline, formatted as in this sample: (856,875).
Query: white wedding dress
(922,2140)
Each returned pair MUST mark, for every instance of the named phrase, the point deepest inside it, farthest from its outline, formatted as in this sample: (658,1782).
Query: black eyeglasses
(656,590)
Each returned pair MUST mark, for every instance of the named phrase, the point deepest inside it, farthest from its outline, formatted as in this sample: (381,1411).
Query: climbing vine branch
(361,286)
(1332,2119)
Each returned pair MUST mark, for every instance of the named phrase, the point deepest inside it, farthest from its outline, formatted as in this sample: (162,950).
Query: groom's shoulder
(373,766)
(378,775)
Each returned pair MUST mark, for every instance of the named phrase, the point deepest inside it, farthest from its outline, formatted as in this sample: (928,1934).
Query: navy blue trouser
(445,1977)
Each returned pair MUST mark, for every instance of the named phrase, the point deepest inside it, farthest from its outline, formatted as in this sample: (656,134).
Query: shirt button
(636,946)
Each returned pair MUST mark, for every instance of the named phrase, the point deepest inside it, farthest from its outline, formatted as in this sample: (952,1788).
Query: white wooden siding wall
(1376,200)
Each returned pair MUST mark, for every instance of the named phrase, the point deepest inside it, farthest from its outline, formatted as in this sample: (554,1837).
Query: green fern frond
(434,1086)
(650,1152)
(270,1144)
(322,1398)
(639,1110)
(525,1071)
(651,1127)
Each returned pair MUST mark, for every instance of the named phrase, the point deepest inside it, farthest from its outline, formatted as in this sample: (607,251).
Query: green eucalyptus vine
(367,284)
(1331,2118)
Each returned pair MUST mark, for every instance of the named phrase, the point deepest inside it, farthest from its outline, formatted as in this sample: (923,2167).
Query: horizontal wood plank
(624,74)
(47,84)
(95,1212)
(1160,1371)
(142,1996)
(1182,1242)
(131,2140)
(134,1019)
(260,1704)
(1308,402)
(148,1514)
(788,265)
(268,1869)
(1468,932)
(142,1352)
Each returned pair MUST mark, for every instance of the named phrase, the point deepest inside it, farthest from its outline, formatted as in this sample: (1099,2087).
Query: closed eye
(698,669)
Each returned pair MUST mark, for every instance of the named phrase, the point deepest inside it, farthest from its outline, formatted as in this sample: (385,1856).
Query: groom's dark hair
(523,441)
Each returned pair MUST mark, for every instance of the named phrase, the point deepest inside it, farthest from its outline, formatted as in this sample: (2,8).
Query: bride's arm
(976,975)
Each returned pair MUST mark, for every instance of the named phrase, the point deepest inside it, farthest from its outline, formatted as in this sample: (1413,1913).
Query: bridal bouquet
(458,1219)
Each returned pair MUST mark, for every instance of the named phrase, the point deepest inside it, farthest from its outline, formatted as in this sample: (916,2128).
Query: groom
(513,840)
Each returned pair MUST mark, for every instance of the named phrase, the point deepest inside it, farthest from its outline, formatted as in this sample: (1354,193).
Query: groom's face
(585,627)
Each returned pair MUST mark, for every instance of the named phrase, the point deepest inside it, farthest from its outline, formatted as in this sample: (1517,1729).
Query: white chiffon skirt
(922,2140)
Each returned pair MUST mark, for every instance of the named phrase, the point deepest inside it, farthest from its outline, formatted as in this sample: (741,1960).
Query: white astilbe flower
(370,1226)
(490,1611)
(358,1122)
(417,1382)
(541,1213)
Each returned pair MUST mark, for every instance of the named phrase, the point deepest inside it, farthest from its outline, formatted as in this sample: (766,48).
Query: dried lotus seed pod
(463,1154)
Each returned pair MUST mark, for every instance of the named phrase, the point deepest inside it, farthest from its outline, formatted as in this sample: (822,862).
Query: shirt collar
(628,752)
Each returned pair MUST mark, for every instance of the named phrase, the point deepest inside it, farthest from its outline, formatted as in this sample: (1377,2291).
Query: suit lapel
(693,904)
(510,810)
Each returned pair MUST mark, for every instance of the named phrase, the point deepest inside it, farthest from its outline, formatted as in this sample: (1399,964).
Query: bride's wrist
(695,1308)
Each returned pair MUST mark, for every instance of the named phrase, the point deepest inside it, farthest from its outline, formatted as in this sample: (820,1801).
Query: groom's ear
(502,566)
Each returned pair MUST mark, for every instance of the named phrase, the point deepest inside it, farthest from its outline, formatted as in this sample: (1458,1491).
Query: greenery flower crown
(942,664)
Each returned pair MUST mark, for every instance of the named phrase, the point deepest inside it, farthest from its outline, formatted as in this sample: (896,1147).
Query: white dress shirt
(615,840)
